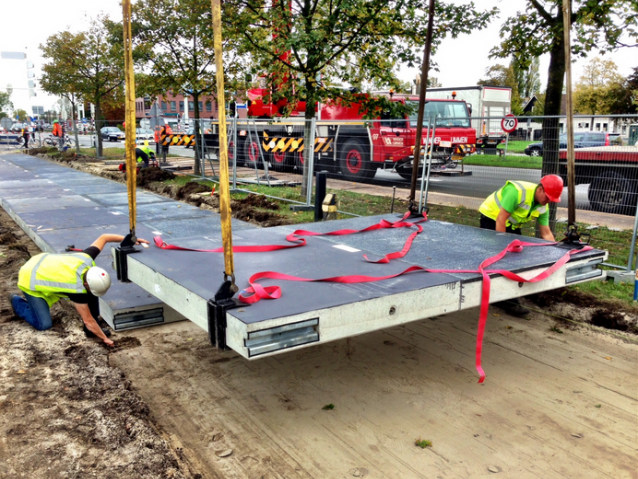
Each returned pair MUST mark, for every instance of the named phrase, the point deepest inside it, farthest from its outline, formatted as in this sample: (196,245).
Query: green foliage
(305,47)
(502,76)
(555,329)
(21,114)
(598,25)
(626,100)
(598,88)
(504,161)
(5,102)
(527,78)
(174,44)
(328,407)
(423,443)
(87,65)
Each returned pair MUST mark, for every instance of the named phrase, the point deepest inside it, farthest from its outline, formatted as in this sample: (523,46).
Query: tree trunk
(98,123)
(75,129)
(553,102)
(307,136)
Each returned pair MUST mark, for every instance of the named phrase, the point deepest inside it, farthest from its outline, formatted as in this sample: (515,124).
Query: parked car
(144,134)
(17,127)
(112,133)
(581,140)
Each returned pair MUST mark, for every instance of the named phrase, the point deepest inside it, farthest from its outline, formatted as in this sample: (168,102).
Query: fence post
(311,161)
(235,152)
(632,249)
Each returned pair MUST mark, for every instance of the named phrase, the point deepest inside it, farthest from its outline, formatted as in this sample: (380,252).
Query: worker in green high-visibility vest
(47,277)
(144,154)
(517,203)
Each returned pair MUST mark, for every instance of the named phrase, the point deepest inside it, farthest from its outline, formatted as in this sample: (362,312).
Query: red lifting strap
(292,238)
(256,292)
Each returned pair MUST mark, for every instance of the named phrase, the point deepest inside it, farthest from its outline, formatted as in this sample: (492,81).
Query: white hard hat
(98,280)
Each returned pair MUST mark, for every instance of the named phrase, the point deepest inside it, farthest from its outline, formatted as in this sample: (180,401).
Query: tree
(527,78)
(21,115)
(595,25)
(88,64)
(5,104)
(597,89)
(299,43)
(502,76)
(174,44)
(626,100)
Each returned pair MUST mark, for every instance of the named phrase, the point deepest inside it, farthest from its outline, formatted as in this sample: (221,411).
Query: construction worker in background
(57,131)
(515,204)
(46,278)
(143,155)
(25,136)
(165,131)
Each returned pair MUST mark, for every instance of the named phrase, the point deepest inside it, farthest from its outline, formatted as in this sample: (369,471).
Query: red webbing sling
(292,238)
(256,292)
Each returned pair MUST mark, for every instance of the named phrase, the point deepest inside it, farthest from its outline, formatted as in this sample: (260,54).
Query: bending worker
(143,155)
(46,278)
(519,202)
(515,204)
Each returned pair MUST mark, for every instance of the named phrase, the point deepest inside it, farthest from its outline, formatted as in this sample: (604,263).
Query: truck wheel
(610,192)
(355,161)
(231,145)
(299,161)
(251,153)
(405,172)
(279,161)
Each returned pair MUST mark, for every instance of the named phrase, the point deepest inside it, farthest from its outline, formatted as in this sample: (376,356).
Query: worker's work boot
(513,307)
(10,298)
(89,334)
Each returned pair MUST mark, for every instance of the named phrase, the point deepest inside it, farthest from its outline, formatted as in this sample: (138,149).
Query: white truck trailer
(485,101)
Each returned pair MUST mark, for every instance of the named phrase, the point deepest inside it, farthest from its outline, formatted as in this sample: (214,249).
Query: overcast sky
(461,61)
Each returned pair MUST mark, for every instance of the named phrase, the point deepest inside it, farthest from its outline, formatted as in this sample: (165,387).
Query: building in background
(17,74)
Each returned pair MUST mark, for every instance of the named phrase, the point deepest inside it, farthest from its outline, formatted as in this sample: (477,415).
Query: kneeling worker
(144,154)
(46,278)
(515,204)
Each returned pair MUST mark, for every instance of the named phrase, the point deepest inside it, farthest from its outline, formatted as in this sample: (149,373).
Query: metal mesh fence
(463,160)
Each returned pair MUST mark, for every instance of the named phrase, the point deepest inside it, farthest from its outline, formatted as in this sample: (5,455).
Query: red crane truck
(612,174)
(345,143)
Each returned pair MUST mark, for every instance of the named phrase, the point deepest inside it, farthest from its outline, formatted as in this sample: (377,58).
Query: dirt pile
(153,174)
(64,411)
(577,306)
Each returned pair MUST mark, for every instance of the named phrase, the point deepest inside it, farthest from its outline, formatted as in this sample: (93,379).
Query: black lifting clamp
(222,302)
(126,247)
(574,238)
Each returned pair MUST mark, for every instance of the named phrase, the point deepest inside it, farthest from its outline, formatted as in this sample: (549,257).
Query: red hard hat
(553,186)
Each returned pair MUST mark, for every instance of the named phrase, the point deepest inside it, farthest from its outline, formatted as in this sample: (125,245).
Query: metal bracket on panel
(126,247)
(585,271)
(217,308)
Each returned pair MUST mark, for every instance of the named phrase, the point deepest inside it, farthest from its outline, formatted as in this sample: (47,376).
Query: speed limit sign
(509,123)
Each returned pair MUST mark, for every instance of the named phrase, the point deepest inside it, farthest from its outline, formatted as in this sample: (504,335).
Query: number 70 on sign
(509,123)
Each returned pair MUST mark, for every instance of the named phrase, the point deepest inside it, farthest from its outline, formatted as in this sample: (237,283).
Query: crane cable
(129,123)
(224,191)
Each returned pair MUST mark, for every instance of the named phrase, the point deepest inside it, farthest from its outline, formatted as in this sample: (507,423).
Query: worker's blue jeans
(33,310)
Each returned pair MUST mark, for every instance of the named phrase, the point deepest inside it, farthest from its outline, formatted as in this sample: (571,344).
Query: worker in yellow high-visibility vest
(519,202)
(515,204)
(46,278)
